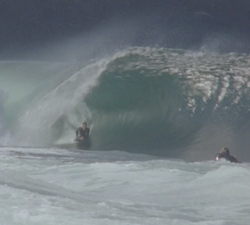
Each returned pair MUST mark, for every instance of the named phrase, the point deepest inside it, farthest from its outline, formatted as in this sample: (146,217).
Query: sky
(27,24)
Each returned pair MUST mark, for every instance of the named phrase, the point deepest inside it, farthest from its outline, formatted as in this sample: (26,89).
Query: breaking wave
(151,100)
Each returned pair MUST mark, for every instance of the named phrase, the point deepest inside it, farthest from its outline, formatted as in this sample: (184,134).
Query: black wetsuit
(83,133)
(226,157)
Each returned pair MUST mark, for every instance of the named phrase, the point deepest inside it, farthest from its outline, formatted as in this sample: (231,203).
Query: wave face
(153,100)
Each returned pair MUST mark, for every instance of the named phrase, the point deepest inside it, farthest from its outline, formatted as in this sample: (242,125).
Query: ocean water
(157,118)
(56,186)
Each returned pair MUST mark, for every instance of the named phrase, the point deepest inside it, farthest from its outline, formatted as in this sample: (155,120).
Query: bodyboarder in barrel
(82,133)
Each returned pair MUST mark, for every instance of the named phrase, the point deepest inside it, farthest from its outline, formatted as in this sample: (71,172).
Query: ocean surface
(157,117)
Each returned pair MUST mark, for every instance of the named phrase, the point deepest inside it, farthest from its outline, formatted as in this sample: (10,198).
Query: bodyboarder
(225,154)
(82,133)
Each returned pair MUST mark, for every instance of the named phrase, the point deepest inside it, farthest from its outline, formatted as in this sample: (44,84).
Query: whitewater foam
(56,186)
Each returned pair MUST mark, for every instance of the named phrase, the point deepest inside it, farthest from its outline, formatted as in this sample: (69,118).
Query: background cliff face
(29,25)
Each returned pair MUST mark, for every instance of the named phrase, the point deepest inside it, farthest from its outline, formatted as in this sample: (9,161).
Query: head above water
(225,151)
(84,124)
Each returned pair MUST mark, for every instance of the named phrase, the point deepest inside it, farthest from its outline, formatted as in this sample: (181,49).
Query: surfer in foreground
(82,135)
(225,154)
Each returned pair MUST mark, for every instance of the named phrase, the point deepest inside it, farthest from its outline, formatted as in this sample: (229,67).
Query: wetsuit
(226,157)
(83,133)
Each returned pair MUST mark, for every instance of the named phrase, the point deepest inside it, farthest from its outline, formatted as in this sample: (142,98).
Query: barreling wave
(149,100)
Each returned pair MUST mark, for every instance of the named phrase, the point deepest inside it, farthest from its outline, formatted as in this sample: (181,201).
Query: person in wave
(225,154)
(82,133)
